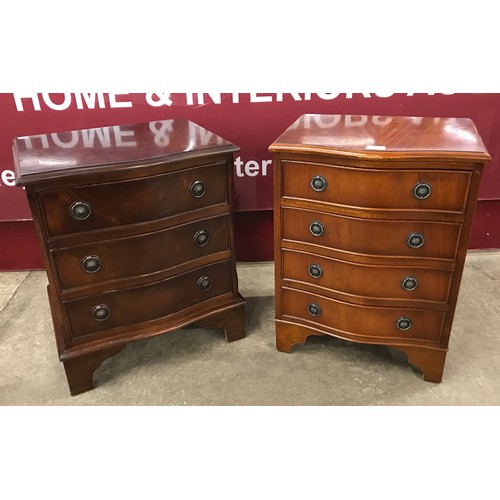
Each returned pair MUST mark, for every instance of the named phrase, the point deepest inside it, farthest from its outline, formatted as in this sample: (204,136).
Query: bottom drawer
(148,302)
(363,321)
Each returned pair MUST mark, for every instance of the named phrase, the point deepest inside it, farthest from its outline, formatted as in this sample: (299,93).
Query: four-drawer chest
(135,226)
(372,221)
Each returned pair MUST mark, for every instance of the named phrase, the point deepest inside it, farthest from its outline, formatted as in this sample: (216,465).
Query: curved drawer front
(104,205)
(382,282)
(370,236)
(131,306)
(139,255)
(363,321)
(389,189)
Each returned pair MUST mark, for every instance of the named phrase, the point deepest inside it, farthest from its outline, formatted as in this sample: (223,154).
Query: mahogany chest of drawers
(135,225)
(372,221)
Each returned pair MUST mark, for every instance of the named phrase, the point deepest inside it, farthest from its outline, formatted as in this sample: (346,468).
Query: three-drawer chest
(372,222)
(135,226)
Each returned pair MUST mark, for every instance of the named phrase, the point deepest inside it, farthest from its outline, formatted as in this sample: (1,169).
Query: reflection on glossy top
(386,135)
(53,152)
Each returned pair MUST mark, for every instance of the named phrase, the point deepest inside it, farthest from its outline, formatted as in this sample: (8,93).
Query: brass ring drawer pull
(318,183)
(197,189)
(409,283)
(315,270)
(403,324)
(204,283)
(101,312)
(415,240)
(314,309)
(422,191)
(201,238)
(80,210)
(91,264)
(316,228)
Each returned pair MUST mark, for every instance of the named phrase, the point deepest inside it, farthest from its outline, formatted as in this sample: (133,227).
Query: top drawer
(97,206)
(443,190)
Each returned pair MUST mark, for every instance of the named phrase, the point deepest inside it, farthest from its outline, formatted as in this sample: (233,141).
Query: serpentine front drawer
(372,223)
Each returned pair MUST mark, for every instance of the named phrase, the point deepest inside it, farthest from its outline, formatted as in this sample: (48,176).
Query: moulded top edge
(381,155)
(383,137)
(161,140)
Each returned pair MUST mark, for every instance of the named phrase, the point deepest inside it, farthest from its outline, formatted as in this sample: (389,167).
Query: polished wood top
(383,137)
(47,156)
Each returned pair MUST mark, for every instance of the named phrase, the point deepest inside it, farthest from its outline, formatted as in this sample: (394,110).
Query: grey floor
(194,366)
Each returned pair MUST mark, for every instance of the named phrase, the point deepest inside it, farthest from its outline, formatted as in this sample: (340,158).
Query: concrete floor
(195,366)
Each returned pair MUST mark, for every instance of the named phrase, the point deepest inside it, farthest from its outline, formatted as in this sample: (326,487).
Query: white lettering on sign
(216,98)
(90,100)
(8,178)
(295,96)
(18,99)
(64,101)
(366,95)
(260,98)
(113,103)
(156,99)
(86,101)
(251,168)
(57,107)
(328,96)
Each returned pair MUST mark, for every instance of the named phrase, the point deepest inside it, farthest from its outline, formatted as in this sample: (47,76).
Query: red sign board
(252,121)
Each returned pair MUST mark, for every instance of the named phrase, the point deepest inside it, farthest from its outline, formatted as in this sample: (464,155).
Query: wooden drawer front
(383,282)
(376,188)
(146,303)
(372,237)
(140,255)
(364,321)
(127,202)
